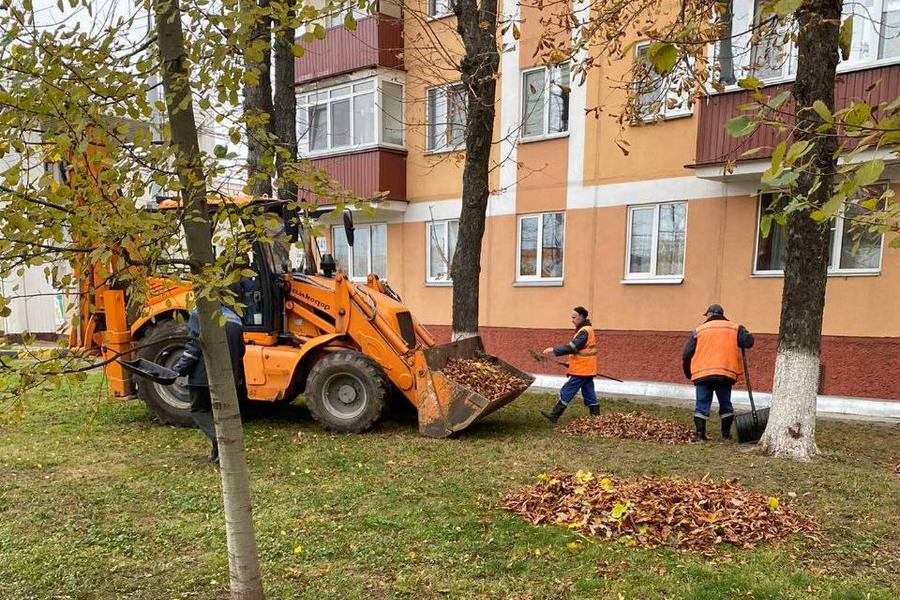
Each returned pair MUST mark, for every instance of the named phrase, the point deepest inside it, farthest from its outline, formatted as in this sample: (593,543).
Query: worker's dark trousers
(575,383)
(705,392)
(201,411)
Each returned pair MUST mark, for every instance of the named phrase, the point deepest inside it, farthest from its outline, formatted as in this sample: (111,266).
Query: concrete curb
(680,394)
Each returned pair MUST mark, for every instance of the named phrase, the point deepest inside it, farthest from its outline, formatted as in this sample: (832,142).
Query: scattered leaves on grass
(694,515)
(484,377)
(630,425)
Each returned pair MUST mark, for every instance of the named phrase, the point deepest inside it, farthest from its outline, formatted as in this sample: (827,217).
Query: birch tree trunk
(477,24)
(791,431)
(243,562)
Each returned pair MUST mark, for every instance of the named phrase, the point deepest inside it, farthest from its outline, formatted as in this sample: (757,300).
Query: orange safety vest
(717,351)
(584,362)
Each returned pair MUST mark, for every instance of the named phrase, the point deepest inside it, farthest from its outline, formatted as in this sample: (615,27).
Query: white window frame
(834,268)
(442,8)
(369,259)
(744,14)
(429,278)
(652,277)
(537,278)
(442,90)
(523,105)
(337,19)
(685,107)
(306,100)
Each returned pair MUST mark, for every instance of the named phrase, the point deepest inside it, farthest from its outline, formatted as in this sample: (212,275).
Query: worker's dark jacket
(191,362)
(744,340)
(578,342)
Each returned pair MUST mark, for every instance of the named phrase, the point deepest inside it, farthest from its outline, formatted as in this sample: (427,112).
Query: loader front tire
(163,344)
(347,392)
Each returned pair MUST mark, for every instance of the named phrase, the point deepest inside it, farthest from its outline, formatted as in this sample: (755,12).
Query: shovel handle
(749,387)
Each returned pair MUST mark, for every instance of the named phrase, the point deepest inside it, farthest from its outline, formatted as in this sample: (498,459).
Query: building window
(368,254)
(656,241)
(353,115)
(850,251)
(773,55)
(545,101)
(446,117)
(441,247)
(336,19)
(541,239)
(439,8)
(658,96)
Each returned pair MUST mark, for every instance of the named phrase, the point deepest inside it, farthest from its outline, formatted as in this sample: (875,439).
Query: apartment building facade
(645,240)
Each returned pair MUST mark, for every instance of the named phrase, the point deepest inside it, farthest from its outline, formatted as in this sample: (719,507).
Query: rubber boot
(213,457)
(726,427)
(595,410)
(554,415)
(700,433)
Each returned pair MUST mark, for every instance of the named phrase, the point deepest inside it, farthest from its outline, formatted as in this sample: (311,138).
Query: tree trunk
(791,430)
(258,99)
(477,24)
(243,562)
(285,114)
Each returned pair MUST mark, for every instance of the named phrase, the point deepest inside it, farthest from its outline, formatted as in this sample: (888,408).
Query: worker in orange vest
(712,360)
(582,366)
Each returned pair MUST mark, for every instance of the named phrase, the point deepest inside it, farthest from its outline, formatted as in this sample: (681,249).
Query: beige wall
(721,232)
(719,257)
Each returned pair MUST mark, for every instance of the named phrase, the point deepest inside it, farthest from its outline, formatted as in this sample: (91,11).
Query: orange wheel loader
(345,346)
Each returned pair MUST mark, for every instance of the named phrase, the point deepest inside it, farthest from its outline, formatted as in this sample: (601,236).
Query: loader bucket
(446,407)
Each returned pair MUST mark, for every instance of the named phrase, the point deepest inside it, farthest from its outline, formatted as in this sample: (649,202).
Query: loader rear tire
(347,392)
(163,344)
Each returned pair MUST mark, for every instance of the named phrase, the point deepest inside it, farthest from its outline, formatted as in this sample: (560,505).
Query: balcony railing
(376,42)
(715,146)
(367,174)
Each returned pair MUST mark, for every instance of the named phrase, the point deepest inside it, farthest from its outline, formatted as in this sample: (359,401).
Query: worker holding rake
(712,360)
(582,368)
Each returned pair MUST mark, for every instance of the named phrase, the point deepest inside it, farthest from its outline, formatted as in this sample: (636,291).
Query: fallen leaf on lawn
(630,425)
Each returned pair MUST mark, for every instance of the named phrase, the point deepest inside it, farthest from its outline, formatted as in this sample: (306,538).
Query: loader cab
(261,293)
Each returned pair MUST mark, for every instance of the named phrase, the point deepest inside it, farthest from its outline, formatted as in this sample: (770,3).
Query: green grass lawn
(98,502)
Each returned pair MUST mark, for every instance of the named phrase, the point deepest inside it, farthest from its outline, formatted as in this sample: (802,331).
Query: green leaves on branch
(662,57)
(846,37)
(783,8)
(740,126)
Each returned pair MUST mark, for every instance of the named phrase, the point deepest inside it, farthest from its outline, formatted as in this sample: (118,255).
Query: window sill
(538,283)
(439,284)
(860,273)
(353,150)
(651,121)
(445,151)
(440,16)
(652,280)
(543,138)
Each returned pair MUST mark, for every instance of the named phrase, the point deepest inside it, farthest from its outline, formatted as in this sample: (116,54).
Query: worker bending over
(582,366)
(712,360)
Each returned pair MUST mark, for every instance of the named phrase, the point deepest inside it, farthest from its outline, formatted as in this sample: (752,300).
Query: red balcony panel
(715,146)
(377,41)
(368,173)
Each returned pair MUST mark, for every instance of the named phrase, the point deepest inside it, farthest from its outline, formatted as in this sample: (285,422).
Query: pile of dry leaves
(630,425)
(486,378)
(684,514)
